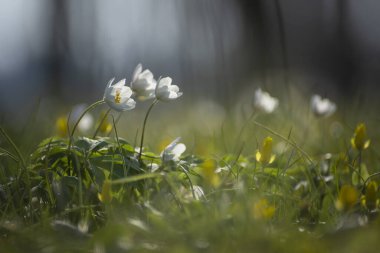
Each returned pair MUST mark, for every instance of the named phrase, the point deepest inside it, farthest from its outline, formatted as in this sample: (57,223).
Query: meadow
(268,175)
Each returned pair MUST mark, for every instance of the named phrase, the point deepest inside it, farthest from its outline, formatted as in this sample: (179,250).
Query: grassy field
(291,179)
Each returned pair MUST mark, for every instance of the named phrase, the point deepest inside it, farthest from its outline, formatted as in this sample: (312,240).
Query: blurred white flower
(196,193)
(265,102)
(143,83)
(153,167)
(118,96)
(173,151)
(166,91)
(84,125)
(87,121)
(322,107)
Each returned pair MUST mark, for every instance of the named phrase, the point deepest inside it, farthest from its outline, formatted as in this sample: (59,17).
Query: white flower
(143,83)
(87,121)
(118,96)
(196,193)
(264,102)
(322,107)
(173,151)
(165,91)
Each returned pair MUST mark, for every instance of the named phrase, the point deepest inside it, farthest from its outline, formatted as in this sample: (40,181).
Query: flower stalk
(144,126)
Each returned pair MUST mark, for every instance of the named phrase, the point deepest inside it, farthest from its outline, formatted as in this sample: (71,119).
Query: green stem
(291,143)
(101,123)
(294,145)
(79,119)
(116,121)
(144,125)
(9,154)
(84,113)
(251,117)
(135,178)
(360,167)
(189,179)
(368,179)
(14,147)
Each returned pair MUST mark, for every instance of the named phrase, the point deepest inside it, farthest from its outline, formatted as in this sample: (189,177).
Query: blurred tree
(58,48)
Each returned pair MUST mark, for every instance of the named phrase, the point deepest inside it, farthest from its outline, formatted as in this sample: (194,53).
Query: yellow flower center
(118,96)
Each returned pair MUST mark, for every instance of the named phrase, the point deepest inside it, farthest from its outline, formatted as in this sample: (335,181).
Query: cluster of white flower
(264,102)
(322,107)
(142,87)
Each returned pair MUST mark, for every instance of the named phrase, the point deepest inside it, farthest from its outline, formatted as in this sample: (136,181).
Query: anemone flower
(118,96)
(322,107)
(143,84)
(264,102)
(166,91)
(173,151)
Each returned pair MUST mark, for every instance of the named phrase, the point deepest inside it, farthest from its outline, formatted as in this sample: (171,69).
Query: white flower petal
(110,82)
(143,84)
(118,96)
(165,91)
(178,150)
(86,123)
(121,83)
(322,107)
(173,151)
(264,102)
(136,72)
(166,81)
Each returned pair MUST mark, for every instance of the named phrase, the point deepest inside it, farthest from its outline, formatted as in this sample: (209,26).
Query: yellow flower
(359,140)
(208,173)
(348,197)
(371,195)
(106,126)
(263,210)
(265,155)
(61,126)
(106,195)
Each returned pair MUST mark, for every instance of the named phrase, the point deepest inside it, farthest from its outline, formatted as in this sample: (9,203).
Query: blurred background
(55,52)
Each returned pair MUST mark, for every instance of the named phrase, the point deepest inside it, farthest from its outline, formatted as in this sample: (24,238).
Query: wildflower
(359,140)
(87,121)
(143,83)
(173,151)
(166,91)
(196,193)
(370,198)
(118,96)
(84,125)
(265,102)
(153,167)
(105,126)
(348,197)
(105,195)
(208,172)
(61,126)
(263,210)
(322,107)
(265,156)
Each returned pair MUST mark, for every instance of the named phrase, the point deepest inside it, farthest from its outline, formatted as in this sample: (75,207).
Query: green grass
(85,194)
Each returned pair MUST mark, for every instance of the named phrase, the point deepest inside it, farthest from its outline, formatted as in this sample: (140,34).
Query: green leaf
(69,181)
